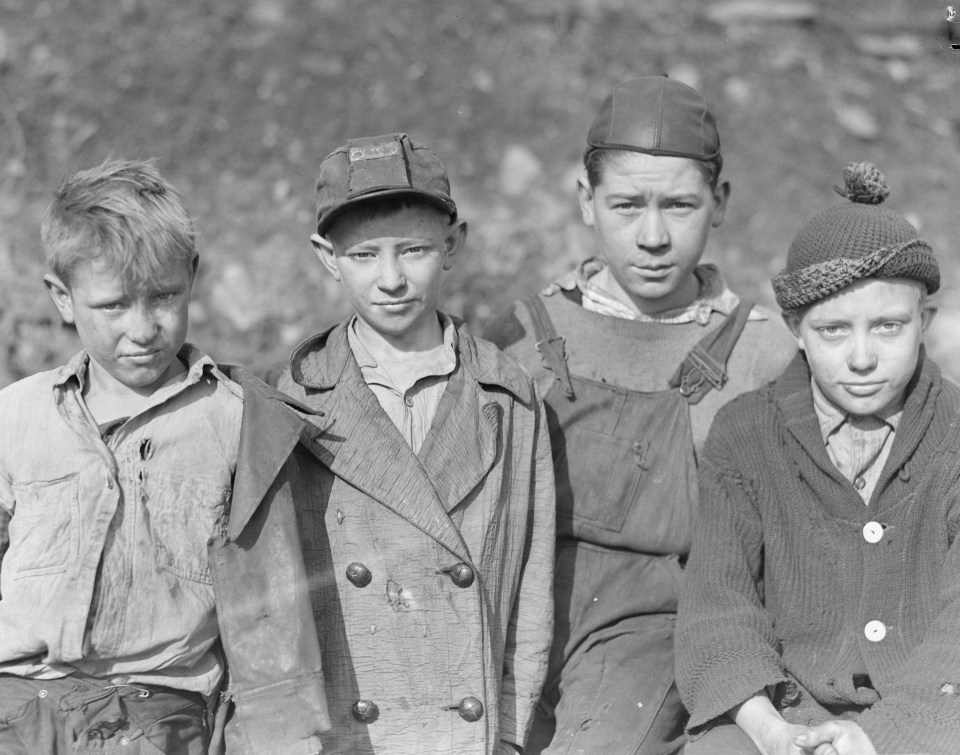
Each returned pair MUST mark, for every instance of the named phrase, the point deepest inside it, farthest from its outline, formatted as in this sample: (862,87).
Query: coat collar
(361,445)
(269,431)
(320,362)
(793,396)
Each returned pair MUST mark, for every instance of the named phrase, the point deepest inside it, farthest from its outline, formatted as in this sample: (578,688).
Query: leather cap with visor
(659,116)
(379,166)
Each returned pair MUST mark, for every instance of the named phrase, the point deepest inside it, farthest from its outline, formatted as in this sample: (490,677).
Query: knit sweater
(793,581)
(642,356)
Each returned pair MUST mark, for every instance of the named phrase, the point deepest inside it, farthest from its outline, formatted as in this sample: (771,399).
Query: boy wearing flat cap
(821,608)
(634,352)
(428,521)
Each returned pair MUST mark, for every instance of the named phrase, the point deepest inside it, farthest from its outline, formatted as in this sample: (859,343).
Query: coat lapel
(461,447)
(360,444)
(268,434)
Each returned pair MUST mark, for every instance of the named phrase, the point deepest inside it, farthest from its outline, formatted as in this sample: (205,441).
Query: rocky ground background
(239,101)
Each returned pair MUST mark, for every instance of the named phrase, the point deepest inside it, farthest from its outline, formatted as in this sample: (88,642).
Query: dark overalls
(626,483)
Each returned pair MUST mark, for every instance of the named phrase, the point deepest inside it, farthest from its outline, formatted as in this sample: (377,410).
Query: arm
(530,631)
(726,644)
(6,514)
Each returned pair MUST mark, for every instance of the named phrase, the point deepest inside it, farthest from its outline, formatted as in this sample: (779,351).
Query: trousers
(85,715)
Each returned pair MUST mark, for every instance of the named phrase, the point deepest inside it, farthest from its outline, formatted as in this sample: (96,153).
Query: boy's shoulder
(490,366)
(34,389)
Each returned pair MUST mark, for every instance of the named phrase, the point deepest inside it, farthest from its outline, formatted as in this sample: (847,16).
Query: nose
(652,233)
(863,356)
(142,325)
(390,274)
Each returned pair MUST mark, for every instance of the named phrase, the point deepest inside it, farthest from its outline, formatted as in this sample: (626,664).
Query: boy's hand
(835,738)
(782,738)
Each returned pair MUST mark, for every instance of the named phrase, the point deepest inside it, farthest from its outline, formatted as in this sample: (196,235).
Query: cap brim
(443,203)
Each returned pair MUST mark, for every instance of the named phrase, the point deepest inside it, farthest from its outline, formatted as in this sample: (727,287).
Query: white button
(42,693)
(875,631)
(873,532)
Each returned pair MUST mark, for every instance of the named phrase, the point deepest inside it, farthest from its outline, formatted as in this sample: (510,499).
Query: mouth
(142,356)
(654,271)
(862,389)
(399,304)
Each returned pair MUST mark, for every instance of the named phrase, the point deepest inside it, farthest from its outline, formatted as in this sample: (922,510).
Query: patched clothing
(432,570)
(107,569)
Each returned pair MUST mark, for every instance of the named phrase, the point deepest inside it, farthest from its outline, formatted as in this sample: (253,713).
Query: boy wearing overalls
(634,351)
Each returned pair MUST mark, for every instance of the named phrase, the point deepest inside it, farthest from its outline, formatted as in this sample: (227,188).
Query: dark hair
(595,160)
(377,207)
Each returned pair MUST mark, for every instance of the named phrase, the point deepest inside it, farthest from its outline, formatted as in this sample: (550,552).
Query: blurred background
(239,101)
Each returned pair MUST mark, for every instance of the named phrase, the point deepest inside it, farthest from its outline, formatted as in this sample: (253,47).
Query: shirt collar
(714,296)
(197,362)
(831,417)
(438,362)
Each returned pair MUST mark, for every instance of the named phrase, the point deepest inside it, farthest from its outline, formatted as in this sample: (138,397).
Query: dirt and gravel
(239,101)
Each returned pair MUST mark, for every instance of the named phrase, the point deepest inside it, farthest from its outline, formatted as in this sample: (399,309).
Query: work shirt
(858,446)
(409,393)
(591,277)
(107,570)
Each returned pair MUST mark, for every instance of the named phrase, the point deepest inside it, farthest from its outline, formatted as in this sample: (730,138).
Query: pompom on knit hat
(859,239)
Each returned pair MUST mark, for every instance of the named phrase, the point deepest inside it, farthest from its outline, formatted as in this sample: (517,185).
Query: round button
(462,575)
(875,631)
(873,532)
(358,574)
(124,740)
(860,483)
(366,711)
(42,693)
(470,709)
(408,400)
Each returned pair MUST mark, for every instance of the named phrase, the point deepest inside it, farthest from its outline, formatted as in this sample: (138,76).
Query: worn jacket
(274,701)
(795,585)
(431,572)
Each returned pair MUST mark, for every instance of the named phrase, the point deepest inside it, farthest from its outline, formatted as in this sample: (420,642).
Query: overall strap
(705,366)
(549,344)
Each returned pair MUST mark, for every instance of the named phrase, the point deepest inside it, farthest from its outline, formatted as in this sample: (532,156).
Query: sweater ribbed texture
(782,581)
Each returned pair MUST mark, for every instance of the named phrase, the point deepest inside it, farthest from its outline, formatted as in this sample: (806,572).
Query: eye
(361,255)
(831,332)
(625,207)
(110,306)
(166,296)
(890,328)
(416,249)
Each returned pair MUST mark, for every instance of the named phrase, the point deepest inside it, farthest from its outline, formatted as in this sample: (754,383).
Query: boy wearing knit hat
(821,610)
(634,351)
(428,520)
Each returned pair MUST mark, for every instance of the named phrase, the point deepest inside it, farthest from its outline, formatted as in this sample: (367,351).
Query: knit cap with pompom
(859,239)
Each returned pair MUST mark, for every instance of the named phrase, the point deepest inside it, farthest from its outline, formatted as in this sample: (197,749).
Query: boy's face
(863,343)
(652,215)
(133,334)
(391,267)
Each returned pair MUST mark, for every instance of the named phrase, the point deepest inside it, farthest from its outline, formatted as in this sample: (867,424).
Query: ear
(720,196)
(453,241)
(926,316)
(792,319)
(60,293)
(585,194)
(323,248)
(194,266)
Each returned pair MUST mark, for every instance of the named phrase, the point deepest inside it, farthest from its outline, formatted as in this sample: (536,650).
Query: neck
(108,399)
(386,347)
(683,295)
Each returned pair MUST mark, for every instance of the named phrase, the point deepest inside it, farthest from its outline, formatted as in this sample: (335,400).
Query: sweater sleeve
(922,711)
(530,630)
(726,646)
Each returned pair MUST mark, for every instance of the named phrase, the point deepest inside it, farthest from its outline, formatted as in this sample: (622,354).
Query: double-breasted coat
(431,572)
